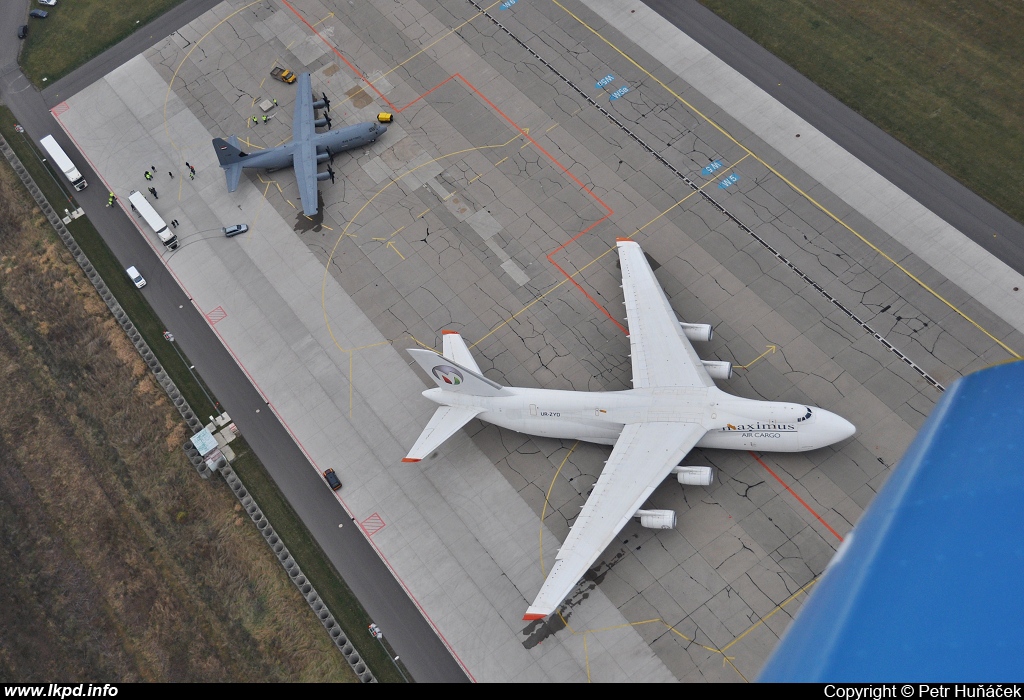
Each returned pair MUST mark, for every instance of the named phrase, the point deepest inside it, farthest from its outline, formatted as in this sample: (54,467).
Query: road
(383,597)
(403,623)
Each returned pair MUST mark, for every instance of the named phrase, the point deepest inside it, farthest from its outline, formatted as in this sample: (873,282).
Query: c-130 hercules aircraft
(306,150)
(673,407)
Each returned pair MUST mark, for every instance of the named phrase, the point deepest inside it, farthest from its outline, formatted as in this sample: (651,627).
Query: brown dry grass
(117,561)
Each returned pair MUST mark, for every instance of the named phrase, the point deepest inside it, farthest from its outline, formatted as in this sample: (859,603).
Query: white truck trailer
(153,219)
(59,158)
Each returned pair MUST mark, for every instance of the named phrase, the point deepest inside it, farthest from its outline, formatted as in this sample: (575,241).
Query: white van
(139,281)
(154,220)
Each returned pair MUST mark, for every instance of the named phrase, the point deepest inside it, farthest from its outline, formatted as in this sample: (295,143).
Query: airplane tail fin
(453,347)
(228,152)
(446,422)
(453,376)
(230,157)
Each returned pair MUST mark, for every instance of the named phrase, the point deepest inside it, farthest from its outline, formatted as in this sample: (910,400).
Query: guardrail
(251,507)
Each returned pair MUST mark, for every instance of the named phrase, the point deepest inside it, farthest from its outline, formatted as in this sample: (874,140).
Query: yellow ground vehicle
(283,74)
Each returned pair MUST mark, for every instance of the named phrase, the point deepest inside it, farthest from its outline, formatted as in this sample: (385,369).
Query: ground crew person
(111,199)
(264,118)
(275,102)
(149,175)
(254,119)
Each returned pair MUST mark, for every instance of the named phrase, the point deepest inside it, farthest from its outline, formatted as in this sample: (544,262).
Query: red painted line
(565,171)
(793,493)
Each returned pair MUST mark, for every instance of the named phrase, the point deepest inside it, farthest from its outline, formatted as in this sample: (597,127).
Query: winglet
(533,616)
(623,239)
(407,459)
(449,332)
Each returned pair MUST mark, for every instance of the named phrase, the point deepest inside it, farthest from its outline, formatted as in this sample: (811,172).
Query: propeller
(330,153)
(328,118)
(330,171)
(327,102)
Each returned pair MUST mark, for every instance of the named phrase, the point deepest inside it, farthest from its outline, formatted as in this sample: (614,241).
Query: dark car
(235,230)
(332,479)
(23,31)
(39,14)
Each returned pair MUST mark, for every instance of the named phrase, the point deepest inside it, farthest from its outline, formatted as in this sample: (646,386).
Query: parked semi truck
(153,219)
(59,158)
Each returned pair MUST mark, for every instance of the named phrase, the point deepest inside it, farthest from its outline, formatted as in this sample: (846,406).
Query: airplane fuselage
(732,422)
(336,141)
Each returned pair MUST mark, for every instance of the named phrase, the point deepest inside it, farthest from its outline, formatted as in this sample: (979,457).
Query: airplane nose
(838,428)
(381,128)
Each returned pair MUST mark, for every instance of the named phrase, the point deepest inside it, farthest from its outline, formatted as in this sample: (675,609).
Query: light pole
(379,636)
(169,337)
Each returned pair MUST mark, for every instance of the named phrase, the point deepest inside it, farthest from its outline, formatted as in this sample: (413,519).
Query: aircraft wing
(304,155)
(662,355)
(302,120)
(304,162)
(643,456)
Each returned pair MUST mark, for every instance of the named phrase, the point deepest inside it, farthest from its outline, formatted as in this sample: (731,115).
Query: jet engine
(694,476)
(700,332)
(718,369)
(657,519)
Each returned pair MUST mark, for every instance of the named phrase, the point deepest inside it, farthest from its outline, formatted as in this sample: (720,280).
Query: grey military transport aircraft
(307,148)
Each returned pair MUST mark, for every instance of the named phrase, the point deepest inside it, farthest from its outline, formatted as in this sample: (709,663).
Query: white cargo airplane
(673,407)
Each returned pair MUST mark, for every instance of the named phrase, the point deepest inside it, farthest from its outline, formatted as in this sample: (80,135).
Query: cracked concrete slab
(449,221)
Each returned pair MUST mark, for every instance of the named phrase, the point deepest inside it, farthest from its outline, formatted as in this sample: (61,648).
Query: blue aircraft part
(928,587)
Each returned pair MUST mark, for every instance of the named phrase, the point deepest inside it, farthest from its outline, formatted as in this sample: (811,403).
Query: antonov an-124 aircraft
(305,151)
(673,407)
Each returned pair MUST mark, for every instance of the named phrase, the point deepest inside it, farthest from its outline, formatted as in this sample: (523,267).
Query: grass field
(942,76)
(89,239)
(77,30)
(118,562)
(350,615)
(316,567)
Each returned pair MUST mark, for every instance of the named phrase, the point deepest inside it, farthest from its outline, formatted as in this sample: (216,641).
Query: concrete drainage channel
(195,425)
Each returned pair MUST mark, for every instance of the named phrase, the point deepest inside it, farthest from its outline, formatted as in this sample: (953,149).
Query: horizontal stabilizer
(452,376)
(446,422)
(233,174)
(454,348)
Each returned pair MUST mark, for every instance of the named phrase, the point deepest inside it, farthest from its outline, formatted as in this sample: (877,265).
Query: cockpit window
(806,416)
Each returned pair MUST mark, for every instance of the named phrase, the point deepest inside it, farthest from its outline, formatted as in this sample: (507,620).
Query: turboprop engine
(657,519)
(694,476)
